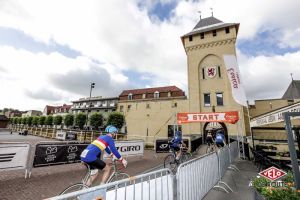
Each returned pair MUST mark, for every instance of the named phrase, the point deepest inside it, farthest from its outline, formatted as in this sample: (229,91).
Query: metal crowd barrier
(196,177)
(14,156)
(233,154)
(156,185)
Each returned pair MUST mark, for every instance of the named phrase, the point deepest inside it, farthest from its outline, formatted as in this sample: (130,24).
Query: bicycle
(115,176)
(172,163)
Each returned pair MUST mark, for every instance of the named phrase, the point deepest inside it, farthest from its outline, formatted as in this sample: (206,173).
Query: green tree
(96,120)
(57,120)
(29,121)
(35,120)
(80,120)
(42,120)
(117,119)
(15,120)
(23,120)
(49,120)
(19,120)
(69,120)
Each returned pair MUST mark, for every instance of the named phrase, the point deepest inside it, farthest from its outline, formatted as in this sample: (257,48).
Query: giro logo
(163,146)
(129,148)
(272,173)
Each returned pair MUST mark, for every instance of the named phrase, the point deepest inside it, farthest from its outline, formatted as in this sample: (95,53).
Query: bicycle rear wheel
(170,162)
(73,188)
(118,176)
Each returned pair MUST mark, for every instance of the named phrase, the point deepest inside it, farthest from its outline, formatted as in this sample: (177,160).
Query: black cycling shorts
(209,140)
(220,144)
(97,164)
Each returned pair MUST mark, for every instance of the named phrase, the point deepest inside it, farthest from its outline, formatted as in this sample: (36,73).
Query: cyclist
(91,155)
(209,138)
(220,139)
(176,143)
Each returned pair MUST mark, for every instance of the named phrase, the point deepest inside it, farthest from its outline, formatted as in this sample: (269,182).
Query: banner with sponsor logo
(14,156)
(57,153)
(60,135)
(229,117)
(234,77)
(275,116)
(129,148)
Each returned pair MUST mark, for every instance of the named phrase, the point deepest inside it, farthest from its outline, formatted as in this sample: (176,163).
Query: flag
(234,77)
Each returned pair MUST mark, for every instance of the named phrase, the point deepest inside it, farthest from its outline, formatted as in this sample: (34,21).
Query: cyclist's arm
(113,149)
(108,151)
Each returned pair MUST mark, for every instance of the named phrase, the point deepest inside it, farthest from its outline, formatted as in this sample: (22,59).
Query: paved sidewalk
(47,182)
(238,181)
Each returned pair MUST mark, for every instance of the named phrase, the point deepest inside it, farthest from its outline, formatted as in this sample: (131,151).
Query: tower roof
(293,91)
(209,24)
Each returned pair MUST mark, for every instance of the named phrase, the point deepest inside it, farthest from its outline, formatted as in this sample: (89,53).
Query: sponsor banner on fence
(60,134)
(230,117)
(161,145)
(13,156)
(57,153)
(129,148)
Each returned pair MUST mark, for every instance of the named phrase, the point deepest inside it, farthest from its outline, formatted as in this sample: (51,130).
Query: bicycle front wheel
(170,162)
(118,176)
(73,188)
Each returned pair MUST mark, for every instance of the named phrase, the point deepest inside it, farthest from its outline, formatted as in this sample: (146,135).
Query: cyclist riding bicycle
(91,155)
(176,143)
(220,139)
(209,138)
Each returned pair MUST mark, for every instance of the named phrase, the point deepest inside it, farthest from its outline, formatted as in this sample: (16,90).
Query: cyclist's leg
(100,165)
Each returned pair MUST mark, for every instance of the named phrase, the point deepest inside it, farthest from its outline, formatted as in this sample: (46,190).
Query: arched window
(156,94)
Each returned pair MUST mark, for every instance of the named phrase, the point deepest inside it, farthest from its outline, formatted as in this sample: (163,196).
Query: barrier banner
(230,117)
(129,148)
(57,153)
(161,146)
(13,156)
(61,135)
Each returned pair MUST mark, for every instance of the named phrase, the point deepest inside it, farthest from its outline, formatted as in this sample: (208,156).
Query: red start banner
(229,117)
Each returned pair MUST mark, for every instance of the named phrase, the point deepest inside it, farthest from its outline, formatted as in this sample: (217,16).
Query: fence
(194,179)
(156,185)
(14,156)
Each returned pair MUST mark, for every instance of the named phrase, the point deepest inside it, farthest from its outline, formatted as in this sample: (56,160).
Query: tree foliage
(35,120)
(23,120)
(49,120)
(117,119)
(29,120)
(69,120)
(57,120)
(96,120)
(42,120)
(80,120)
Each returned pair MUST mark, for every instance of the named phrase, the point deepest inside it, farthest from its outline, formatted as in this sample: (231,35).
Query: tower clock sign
(211,71)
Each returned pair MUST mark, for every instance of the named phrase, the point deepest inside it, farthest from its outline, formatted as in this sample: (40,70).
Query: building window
(121,108)
(130,96)
(190,38)
(169,94)
(128,107)
(214,33)
(202,35)
(203,73)
(144,96)
(148,105)
(207,99)
(174,105)
(219,71)
(227,30)
(156,95)
(113,109)
(105,110)
(219,97)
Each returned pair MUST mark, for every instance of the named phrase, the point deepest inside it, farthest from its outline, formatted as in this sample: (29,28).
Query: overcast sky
(51,50)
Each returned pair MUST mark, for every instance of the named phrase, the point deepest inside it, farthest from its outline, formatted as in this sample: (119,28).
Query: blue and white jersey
(219,138)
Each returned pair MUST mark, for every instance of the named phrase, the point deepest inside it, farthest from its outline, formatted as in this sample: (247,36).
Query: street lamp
(88,109)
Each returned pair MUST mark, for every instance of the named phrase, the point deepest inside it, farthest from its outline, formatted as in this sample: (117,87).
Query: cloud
(78,81)
(44,94)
